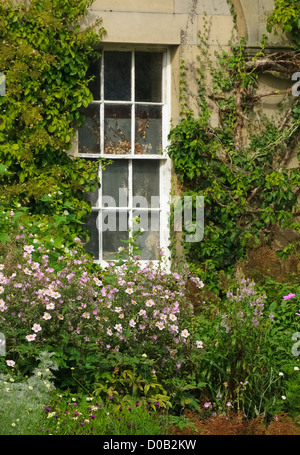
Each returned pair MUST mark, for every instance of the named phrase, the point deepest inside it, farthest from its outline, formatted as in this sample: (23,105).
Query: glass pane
(115,229)
(89,133)
(95,72)
(149,241)
(117,129)
(146,181)
(148,129)
(148,76)
(117,76)
(93,245)
(92,196)
(115,183)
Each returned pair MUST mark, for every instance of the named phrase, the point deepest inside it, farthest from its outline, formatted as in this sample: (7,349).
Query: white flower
(199,344)
(174,328)
(118,327)
(132,323)
(283,397)
(36,327)
(10,363)
(55,295)
(150,303)
(86,315)
(31,337)
(29,248)
(50,306)
(160,325)
(185,333)
(97,281)
(47,316)
(296,369)
(280,373)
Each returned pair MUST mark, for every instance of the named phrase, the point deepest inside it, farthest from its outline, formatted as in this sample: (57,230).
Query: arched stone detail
(251,22)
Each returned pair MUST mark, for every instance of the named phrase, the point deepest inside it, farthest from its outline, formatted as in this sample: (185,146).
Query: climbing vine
(45,56)
(238,165)
(286,16)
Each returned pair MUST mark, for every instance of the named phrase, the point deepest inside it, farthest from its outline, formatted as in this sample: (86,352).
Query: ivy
(45,56)
(286,16)
(246,188)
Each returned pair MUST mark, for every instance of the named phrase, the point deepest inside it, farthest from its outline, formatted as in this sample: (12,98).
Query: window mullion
(133,105)
(100,212)
(102,107)
(130,196)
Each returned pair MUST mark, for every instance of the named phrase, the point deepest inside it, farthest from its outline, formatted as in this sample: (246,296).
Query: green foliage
(68,414)
(22,399)
(246,189)
(286,16)
(113,329)
(45,57)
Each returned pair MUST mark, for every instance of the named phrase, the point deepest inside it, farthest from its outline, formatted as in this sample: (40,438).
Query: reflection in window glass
(148,70)
(92,197)
(113,235)
(115,182)
(146,179)
(93,245)
(117,129)
(117,76)
(94,72)
(89,133)
(148,129)
(149,241)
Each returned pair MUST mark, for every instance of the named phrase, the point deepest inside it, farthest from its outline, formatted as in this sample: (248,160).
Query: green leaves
(45,56)
(286,16)
(245,191)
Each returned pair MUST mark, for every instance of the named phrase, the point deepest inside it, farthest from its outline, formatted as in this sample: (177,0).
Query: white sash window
(128,122)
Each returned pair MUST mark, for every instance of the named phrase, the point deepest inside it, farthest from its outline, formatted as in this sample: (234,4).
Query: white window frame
(165,162)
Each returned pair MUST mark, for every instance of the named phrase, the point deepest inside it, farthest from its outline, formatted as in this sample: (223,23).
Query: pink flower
(207,404)
(289,296)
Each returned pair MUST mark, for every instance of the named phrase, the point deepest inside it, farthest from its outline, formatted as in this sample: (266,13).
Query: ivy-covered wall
(44,55)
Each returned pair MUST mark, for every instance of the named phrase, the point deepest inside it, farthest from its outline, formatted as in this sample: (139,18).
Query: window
(128,123)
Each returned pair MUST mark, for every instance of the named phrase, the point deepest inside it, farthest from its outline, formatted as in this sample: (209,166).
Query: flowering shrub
(86,318)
